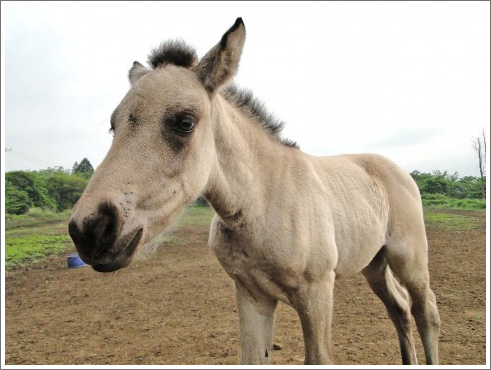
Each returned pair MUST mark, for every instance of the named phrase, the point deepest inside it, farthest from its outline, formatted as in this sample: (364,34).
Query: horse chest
(255,269)
(236,254)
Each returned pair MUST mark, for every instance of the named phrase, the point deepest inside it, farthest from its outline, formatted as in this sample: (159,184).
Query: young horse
(286,223)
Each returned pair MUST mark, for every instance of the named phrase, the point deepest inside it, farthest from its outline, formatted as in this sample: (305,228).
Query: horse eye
(185,124)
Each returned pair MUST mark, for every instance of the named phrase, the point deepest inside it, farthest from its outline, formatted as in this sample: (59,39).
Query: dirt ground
(178,308)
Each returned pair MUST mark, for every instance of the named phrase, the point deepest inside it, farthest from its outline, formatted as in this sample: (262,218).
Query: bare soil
(178,308)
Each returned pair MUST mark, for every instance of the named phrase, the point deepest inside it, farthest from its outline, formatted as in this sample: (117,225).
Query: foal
(286,224)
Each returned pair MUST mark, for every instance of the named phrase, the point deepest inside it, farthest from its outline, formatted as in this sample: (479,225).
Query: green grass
(449,203)
(441,220)
(38,234)
(30,249)
(30,238)
(34,217)
(199,216)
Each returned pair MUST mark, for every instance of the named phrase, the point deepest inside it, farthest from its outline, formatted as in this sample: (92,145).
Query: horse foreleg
(314,302)
(256,315)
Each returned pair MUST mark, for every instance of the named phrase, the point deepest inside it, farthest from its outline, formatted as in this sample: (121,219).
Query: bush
(65,189)
(17,201)
(30,183)
(451,185)
(434,196)
(51,189)
(201,202)
(450,203)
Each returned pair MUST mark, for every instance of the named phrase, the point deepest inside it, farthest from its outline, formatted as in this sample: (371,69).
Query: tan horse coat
(287,223)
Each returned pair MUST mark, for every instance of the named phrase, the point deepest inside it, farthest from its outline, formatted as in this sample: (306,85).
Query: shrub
(30,183)
(65,189)
(17,201)
(434,196)
(201,202)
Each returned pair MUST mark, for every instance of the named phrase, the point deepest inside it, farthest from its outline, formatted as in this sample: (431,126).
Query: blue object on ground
(75,261)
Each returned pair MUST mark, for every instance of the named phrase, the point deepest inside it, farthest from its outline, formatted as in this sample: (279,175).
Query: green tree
(473,186)
(419,178)
(51,170)
(435,186)
(65,189)
(201,202)
(17,201)
(449,185)
(30,183)
(84,168)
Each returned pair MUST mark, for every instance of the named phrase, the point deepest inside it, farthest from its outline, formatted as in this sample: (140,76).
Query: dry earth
(178,308)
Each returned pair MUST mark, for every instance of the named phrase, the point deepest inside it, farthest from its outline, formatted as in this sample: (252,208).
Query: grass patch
(35,217)
(37,234)
(450,203)
(198,216)
(448,221)
(47,229)
(31,237)
(33,248)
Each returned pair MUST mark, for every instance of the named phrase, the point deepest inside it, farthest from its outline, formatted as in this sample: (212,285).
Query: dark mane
(179,53)
(245,100)
(175,52)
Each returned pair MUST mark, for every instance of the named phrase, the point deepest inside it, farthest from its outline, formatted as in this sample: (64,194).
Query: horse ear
(221,62)
(136,72)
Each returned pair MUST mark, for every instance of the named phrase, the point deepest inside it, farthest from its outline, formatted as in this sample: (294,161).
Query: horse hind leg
(409,262)
(396,300)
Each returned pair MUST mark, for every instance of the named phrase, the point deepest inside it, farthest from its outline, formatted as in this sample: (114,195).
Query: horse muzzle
(101,238)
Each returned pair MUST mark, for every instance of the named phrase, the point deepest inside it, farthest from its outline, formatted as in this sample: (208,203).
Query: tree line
(58,189)
(442,184)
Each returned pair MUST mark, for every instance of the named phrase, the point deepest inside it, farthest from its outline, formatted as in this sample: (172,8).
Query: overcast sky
(409,80)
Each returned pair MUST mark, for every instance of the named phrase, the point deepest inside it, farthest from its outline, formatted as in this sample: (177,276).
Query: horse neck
(247,166)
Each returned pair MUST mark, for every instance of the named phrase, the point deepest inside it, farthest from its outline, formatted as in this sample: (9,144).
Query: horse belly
(360,217)
(357,249)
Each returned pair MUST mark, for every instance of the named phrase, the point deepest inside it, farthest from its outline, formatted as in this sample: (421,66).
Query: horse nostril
(106,225)
(99,231)
(104,229)
(74,232)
